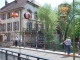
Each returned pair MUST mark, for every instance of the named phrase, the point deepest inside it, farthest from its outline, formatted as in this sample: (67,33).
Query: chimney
(6,2)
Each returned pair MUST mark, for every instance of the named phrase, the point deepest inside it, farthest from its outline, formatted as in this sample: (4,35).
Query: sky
(54,3)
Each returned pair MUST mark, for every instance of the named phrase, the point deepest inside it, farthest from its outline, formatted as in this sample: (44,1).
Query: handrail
(37,57)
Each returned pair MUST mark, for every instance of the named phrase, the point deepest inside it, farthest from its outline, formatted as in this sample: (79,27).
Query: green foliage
(49,18)
(72,30)
(44,11)
(74,26)
(77,30)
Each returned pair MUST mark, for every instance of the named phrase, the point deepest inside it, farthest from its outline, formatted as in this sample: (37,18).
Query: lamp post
(27,16)
(63,12)
(14,15)
(74,35)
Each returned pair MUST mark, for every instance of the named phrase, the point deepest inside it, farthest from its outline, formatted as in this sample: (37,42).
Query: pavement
(47,51)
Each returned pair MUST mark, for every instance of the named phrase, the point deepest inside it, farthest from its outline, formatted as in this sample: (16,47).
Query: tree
(49,18)
(63,11)
(69,26)
(75,23)
(77,30)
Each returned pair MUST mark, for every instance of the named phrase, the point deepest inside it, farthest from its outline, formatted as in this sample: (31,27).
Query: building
(12,27)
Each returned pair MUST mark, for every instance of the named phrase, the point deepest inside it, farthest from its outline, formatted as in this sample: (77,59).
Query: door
(1,38)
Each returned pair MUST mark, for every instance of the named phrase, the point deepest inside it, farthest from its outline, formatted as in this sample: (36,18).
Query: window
(29,25)
(3,16)
(16,25)
(4,27)
(35,15)
(8,27)
(9,15)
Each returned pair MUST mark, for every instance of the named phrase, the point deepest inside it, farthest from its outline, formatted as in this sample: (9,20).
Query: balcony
(33,30)
(28,30)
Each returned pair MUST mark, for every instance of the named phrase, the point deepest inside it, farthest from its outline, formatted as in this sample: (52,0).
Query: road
(51,56)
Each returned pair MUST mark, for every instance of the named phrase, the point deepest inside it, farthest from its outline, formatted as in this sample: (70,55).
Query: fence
(47,46)
(11,55)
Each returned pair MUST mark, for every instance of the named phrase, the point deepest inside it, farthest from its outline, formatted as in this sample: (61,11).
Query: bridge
(21,53)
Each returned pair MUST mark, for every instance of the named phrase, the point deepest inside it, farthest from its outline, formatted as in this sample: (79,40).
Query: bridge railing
(11,55)
(47,46)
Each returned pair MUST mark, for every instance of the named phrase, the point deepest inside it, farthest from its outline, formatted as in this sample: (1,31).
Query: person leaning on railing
(64,46)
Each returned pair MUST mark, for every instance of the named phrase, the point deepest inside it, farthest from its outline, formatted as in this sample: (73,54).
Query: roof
(18,4)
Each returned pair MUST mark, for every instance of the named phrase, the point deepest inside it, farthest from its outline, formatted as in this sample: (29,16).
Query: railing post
(37,58)
(19,58)
(44,45)
(6,56)
(36,44)
(53,45)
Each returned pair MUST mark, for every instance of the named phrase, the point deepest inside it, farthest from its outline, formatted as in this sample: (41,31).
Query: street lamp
(63,10)
(14,15)
(27,15)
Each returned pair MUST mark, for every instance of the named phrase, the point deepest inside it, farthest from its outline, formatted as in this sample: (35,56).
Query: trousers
(68,49)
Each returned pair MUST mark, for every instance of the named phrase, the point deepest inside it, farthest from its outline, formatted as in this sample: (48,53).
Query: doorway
(1,38)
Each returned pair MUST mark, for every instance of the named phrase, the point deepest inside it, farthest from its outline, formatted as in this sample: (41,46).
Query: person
(79,47)
(16,41)
(64,46)
(5,38)
(68,45)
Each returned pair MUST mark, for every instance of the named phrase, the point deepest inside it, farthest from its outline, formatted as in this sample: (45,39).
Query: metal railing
(48,46)
(11,55)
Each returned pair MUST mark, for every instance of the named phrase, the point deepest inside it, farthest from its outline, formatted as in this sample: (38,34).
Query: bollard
(6,55)
(19,58)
